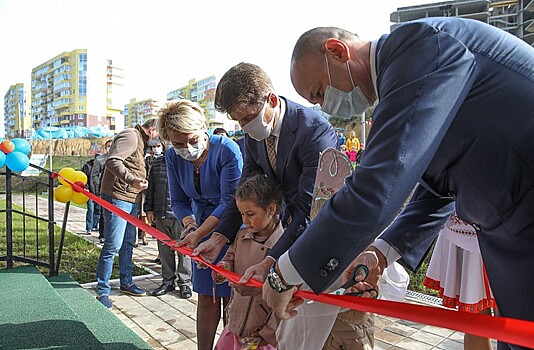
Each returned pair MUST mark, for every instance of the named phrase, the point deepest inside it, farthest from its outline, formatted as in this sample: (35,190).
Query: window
(80,99)
(80,108)
(81,124)
(80,116)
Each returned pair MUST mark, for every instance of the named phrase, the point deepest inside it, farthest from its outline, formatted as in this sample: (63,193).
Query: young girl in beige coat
(251,323)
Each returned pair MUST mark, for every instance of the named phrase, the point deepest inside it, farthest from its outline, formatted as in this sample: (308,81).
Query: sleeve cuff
(288,271)
(387,250)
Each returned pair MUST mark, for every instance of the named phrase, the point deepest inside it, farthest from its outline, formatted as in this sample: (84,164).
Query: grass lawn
(79,257)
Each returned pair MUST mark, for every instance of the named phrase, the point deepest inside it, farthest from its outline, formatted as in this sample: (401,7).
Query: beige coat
(248,315)
(124,164)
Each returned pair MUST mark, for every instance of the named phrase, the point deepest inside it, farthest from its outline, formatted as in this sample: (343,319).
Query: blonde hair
(183,117)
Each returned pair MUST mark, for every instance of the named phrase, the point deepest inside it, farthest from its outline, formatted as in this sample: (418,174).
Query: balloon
(63,193)
(7,147)
(79,198)
(22,146)
(67,173)
(17,161)
(2,159)
(80,176)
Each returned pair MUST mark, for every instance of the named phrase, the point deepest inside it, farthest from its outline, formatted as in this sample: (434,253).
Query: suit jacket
(456,114)
(304,134)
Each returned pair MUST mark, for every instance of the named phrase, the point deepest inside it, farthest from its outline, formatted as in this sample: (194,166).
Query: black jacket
(97,171)
(155,199)
(87,168)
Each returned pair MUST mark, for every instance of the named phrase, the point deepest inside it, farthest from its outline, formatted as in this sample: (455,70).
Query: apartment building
(203,93)
(137,112)
(16,116)
(513,16)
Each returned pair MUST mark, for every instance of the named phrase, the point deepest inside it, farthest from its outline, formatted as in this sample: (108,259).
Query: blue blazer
(304,134)
(456,114)
(219,176)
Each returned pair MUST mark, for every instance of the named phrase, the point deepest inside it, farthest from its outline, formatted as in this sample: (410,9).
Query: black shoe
(185,292)
(157,261)
(162,290)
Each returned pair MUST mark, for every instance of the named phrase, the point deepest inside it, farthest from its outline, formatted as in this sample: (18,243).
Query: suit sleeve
(418,102)
(231,218)
(231,167)
(412,234)
(319,139)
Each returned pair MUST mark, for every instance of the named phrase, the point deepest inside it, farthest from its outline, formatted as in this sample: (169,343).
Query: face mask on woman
(193,151)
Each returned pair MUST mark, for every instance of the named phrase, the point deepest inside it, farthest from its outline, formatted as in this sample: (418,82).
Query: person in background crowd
(220,131)
(159,213)
(353,141)
(124,178)
(340,137)
(92,215)
(96,175)
(202,172)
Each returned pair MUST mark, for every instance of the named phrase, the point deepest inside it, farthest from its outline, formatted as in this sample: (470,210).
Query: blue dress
(219,176)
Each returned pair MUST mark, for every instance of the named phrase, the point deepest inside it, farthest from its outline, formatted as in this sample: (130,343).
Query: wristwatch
(276,282)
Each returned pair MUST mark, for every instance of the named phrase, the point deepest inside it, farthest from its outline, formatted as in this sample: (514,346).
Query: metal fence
(30,235)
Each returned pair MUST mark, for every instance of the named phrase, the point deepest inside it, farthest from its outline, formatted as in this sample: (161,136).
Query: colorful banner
(508,330)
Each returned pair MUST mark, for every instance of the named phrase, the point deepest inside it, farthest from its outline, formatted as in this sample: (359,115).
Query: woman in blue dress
(203,172)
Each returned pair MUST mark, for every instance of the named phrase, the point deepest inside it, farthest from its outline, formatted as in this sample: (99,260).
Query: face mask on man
(256,128)
(153,138)
(193,151)
(344,104)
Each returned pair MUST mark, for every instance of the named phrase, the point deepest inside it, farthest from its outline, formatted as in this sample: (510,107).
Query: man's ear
(272,100)
(339,49)
(272,208)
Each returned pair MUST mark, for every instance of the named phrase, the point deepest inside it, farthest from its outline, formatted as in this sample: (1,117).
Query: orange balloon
(7,146)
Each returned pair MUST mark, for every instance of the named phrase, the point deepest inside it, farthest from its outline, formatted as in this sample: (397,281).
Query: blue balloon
(22,146)
(17,161)
(2,159)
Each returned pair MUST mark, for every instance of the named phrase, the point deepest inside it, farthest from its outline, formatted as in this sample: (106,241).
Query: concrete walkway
(168,322)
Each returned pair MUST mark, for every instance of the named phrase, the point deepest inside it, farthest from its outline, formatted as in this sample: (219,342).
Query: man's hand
(140,184)
(375,262)
(283,304)
(210,249)
(150,216)
(217,277)
(258,271)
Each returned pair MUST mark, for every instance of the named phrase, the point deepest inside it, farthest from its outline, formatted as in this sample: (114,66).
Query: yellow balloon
(63,193)
(79,198)
(80,176)
(67,173)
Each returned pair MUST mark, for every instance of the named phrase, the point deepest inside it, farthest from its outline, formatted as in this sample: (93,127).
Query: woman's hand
(217,277)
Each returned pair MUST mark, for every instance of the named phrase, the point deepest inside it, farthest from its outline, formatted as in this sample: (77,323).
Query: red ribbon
(505,329)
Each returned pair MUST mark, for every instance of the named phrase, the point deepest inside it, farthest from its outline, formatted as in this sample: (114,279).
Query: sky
(162,44)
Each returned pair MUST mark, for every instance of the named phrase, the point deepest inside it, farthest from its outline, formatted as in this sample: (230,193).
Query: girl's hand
(217,277)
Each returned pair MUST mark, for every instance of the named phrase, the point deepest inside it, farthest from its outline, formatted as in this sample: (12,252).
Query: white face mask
(157,150)
(344,104)
(256,128)
(193,151)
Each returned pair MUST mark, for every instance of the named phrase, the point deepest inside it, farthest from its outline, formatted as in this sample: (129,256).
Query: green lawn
(79,258)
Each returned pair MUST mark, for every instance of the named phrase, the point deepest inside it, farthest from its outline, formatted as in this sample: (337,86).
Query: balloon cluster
(66,192)
(15,154)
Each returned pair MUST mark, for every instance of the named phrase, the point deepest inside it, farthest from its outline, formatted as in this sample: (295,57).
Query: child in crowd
(251,323)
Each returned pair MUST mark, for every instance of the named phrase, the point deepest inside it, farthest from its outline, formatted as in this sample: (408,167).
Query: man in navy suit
(299,134)
(455,120)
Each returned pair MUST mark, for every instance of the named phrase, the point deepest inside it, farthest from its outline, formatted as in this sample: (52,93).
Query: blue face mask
(344,104)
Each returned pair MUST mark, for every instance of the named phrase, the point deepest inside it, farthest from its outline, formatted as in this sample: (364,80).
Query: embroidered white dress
(456,269)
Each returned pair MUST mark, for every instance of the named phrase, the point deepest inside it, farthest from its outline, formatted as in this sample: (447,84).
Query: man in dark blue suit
(298,134)
(455,120)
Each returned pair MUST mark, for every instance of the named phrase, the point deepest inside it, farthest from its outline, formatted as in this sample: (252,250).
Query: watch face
(273,282)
